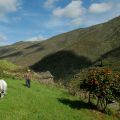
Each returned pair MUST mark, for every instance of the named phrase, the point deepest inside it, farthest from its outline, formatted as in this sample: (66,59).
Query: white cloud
(70,15)
(50,3)
(37,38)
(54,23)
(73,10)
(100,7)
(76,22)
(8,6)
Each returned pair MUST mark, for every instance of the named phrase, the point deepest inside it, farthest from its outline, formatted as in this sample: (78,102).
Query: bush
(116,87)
(101,83)
(5,65)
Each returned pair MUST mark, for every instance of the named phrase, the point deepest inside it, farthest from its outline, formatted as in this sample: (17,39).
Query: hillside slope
(5,65)
(41,102)
(92,43)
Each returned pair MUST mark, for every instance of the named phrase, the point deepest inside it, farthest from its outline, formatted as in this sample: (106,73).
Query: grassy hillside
(5,65)
(91,42)
(112,59)
(66,54)
(42,102)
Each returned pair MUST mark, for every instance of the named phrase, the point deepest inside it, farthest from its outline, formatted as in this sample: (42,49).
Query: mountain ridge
(91,42)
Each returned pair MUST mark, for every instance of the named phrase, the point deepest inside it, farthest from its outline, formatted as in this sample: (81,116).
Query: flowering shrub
(116,87)
(102,83)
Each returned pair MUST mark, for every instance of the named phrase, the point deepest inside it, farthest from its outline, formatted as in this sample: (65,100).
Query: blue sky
(41,19)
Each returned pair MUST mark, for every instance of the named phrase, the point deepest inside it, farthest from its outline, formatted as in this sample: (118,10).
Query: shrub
(100,83)
(116,87)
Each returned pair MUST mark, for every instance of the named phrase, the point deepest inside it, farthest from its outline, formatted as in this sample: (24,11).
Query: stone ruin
(45,77)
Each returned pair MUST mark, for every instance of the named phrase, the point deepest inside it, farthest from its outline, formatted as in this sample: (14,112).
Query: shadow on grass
(24,84)
(77,104)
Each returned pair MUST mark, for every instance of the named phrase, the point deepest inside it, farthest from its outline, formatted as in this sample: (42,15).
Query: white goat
(3,88)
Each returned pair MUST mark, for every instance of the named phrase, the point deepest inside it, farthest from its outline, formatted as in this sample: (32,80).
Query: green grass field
(42,102)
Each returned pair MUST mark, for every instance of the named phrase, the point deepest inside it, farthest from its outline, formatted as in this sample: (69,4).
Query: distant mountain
(83,46)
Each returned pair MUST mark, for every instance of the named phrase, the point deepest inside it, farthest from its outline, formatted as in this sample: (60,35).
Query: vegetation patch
(41,102)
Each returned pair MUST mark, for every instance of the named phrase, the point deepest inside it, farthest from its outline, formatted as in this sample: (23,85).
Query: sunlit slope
(5,65)
(42,102)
